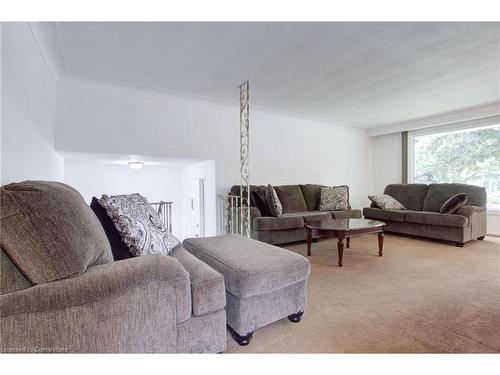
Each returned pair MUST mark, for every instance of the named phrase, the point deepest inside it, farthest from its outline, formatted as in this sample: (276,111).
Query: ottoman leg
(241,340)
(295,318)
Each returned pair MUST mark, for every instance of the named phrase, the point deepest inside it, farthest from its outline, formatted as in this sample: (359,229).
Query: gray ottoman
(264,283)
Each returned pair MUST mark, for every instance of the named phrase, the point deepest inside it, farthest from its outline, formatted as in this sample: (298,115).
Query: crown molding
(84,80)
(465,114)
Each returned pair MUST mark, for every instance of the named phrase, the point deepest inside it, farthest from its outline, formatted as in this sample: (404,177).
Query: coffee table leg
(380,244)
(348,242)
(340,249)
(309,240)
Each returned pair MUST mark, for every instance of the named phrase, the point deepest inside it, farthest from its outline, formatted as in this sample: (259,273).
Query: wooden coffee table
(344,229)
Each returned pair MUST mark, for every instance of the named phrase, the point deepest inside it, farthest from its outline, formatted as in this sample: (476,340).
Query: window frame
(448,128)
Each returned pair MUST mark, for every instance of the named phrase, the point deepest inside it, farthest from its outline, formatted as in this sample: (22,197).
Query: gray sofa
(61,291)
(422,217)
(300,205)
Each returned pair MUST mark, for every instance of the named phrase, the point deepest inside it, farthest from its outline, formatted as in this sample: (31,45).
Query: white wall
(157,182)
(386,161)
(28,109)
(98,117)
(494,224)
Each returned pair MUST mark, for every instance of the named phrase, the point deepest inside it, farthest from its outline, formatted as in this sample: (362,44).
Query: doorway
(195,207)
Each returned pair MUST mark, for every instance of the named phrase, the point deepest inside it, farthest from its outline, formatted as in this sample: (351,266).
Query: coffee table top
(344,224)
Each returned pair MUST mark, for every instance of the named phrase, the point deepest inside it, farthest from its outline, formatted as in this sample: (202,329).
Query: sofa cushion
(138,224)
(49,232)
(350,214)
(438,194)
(386,202)
(273,202)
(454,203)
(260,202)
(409,195)
(291,198)
(334,198)
(435,218)
(118,247)
(286,221)
(249,267)
(311,193)
(309,216)
(208,293)
(11,278)
(261,189)
(379,214)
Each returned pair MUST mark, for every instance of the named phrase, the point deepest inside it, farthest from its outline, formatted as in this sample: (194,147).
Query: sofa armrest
(355,214)
(254,212)
(208,293)
(477,220)
(132,305)
(469,211)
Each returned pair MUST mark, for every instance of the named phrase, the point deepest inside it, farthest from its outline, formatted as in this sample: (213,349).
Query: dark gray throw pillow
(259,201)
(118,247)
(454,203)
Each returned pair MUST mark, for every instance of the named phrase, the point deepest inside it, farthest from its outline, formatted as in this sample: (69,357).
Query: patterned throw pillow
(334,198)
(386,202)
(273,202)
(138,224)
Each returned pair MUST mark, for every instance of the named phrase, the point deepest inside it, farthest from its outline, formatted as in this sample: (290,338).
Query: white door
(195,196)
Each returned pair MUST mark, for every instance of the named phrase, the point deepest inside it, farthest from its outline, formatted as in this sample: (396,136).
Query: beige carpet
(420,297)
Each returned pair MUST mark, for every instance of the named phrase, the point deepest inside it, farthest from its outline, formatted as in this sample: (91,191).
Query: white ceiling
(364,74)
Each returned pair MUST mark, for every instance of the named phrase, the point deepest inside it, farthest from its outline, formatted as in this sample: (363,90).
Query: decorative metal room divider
(235,209)
(164,210)
(244,149)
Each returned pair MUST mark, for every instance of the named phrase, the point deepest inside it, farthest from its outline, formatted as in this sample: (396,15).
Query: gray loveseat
(300,205)
(61,291)
(422,217)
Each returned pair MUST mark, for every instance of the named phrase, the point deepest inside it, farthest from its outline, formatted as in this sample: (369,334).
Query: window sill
(493,211)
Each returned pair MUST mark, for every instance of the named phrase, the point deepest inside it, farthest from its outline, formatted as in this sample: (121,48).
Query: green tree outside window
(469,157)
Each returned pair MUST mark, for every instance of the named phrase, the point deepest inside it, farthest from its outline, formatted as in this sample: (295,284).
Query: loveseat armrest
(132,305)
(469,211)
(477,220)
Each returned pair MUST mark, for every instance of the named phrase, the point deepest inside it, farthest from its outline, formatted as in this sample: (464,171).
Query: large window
(470,156)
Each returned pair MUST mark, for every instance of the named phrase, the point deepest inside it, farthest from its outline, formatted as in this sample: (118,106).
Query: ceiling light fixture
(136,164)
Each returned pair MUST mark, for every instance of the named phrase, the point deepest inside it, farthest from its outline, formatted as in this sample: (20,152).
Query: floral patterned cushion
(334,198)
(138,224)
(386,202)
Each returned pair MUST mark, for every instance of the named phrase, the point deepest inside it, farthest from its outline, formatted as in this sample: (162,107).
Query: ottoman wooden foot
(297,317)
(480,238)
(241,340)
(459,244)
